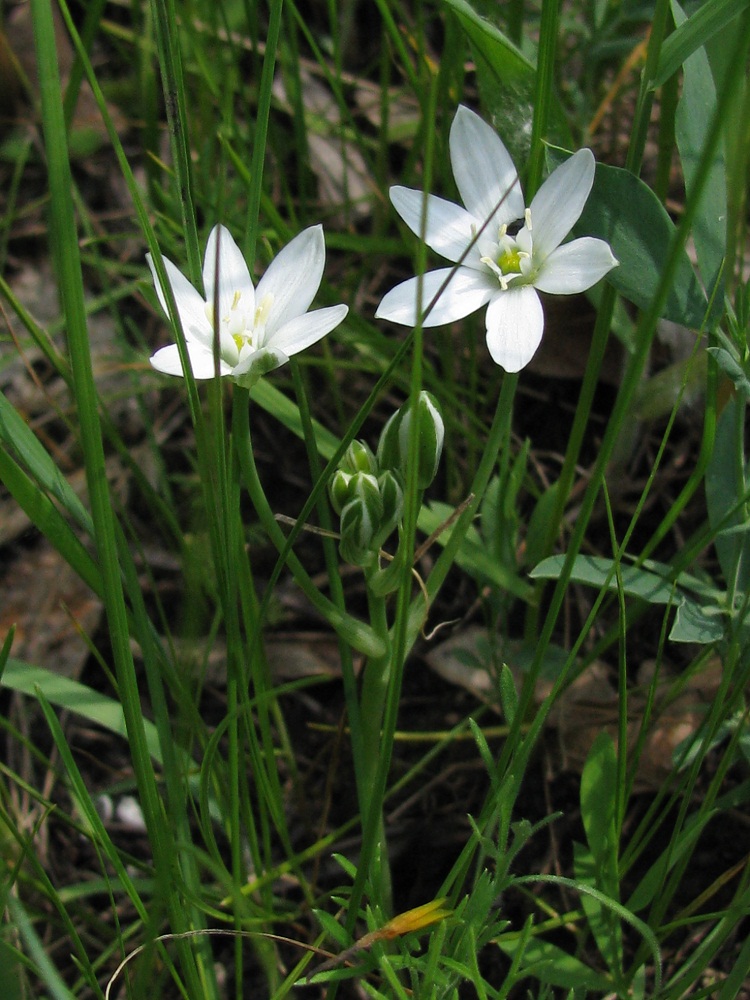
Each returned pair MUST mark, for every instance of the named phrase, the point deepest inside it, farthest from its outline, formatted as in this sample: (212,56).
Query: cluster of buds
(369,503)
(367,490)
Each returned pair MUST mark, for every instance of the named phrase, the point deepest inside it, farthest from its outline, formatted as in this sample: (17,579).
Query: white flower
(501,265)
(258,329)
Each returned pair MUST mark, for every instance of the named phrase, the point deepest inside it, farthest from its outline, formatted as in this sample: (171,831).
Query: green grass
(624,541)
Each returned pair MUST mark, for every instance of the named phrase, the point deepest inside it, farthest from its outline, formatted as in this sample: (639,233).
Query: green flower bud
(338,489)
(360,520)
(359,457)
(393,447)
(392,497)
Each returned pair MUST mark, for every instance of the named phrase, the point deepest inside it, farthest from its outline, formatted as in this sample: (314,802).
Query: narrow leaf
(708,19)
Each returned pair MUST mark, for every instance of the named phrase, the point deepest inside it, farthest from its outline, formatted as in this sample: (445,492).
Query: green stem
(332,565)
(170,64)
(564,484)
(375,683)
(498,438)
(260,132)
(662,13)
(543,91)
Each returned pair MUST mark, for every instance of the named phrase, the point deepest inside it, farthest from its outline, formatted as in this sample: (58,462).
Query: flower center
(511,259)
(245,329)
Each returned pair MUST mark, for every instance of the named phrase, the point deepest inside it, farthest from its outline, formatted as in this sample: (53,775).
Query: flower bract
(258,329)
(502,251)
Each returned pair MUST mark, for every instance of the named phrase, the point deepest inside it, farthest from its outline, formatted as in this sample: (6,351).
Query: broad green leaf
(726,490)
(693,623)
(693,33)
(602,922)
(627,214)
(598,807)
(695,112)
(701,584)
(594,570)
(732,369)
(597,864)
(507,78)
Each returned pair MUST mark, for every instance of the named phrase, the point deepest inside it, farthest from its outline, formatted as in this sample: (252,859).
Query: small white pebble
(105,807)
(129,813)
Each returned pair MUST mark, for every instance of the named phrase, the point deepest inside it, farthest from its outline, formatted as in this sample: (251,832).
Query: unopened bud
(393,448)
(392,498)
(359,457)
(338,489)
(361,518)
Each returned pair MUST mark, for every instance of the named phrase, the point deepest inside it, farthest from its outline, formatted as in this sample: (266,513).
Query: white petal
(575,266)
(447,227)
(558,203)
(190,305)
(486,177)
(515,322)
(467,291)
(167,360)
(293,277)
(303,331)
(233,274)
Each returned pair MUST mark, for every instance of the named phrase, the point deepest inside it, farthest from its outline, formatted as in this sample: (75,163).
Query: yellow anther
(263,310)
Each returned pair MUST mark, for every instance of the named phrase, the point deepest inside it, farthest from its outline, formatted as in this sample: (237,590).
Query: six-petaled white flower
(257,329)
(504,251)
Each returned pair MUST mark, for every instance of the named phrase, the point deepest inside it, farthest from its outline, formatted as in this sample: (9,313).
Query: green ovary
(510,261)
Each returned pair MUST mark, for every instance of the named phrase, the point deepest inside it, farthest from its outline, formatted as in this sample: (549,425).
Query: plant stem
(377,676)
